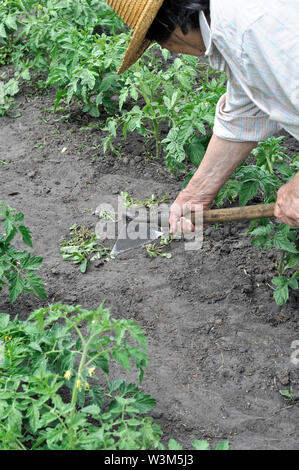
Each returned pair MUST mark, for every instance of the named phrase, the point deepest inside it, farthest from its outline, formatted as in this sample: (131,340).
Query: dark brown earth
(219,346)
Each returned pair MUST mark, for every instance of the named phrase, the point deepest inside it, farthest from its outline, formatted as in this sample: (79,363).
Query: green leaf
(35,346)
(36,285)
(83,265)
(25,74)
(108,82)
(201,445)
(144,403)
(98,396)
(200,126)
(281,242)
(10,228)
(17,285)
(47,418)
(103,363)
(281,295)
(280,281)
(26,235)
(293,261)
(2,31)
(4,320)
(195,150)
(31,262)
(14,419)
(33,415)
(12,88)
(134,93)
(247,192)
(286,394)
(262,231)
(87,78)
(173,445)
(223,445)
(94,110)
(10,21)
(115,385)
(122,97)
(93,410)
(167,102)
(293,283)
(123,358)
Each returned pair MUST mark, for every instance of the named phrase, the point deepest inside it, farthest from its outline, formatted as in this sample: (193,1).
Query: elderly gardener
(256,43)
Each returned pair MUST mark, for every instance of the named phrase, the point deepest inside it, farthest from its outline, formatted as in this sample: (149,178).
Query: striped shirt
(256,43)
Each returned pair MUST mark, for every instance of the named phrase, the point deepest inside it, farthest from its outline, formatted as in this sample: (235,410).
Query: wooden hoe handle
(217,215)
(237,213)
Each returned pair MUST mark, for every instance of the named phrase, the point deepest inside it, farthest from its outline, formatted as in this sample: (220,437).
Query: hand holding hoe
(127,238)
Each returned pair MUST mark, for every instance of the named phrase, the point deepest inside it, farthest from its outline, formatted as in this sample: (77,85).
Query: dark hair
(176,13)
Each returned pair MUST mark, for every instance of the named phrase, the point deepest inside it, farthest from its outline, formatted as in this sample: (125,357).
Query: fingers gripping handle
(214,216)
(237,213)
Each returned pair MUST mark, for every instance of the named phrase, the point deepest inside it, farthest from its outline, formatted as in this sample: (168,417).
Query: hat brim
(139,43)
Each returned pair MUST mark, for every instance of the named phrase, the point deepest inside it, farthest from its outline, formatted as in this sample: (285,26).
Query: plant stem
(157,137)
(269,164)
(75,389)
(20,444)
(280,267)
(98,355)
(296,274)
(148,100)
(22,6)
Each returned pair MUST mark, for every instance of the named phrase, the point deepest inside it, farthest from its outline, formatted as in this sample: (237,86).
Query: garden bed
(219,346)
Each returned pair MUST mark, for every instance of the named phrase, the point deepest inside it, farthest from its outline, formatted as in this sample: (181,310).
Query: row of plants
(77,46)
(18,267)
(55,387)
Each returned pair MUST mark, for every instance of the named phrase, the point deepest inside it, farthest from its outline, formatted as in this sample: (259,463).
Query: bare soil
(219,346)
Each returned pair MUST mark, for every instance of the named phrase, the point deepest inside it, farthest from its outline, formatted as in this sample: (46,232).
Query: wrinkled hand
(188,200)
(287,206)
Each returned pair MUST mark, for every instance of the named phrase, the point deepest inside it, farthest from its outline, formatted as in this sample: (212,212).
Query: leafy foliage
(58,38)
(168,94)
(7,92)
(18,268)
(284,239)
(273,168)
(48,354)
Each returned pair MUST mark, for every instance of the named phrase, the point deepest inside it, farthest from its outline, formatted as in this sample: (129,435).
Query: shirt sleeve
(239,119)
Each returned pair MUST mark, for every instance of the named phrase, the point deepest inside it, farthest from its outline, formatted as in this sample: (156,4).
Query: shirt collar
(206,33)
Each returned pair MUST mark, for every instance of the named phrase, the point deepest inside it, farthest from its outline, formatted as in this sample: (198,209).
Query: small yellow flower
(91,371)
(68,375)
(79,384)
(39,6)
(87,386)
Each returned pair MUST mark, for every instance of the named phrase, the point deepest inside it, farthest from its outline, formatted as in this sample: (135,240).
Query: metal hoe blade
(127,239)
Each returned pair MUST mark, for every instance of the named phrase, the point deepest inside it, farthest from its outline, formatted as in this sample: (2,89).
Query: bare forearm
(221,159)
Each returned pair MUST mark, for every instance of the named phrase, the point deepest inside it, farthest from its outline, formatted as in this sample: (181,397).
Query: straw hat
(139,15)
